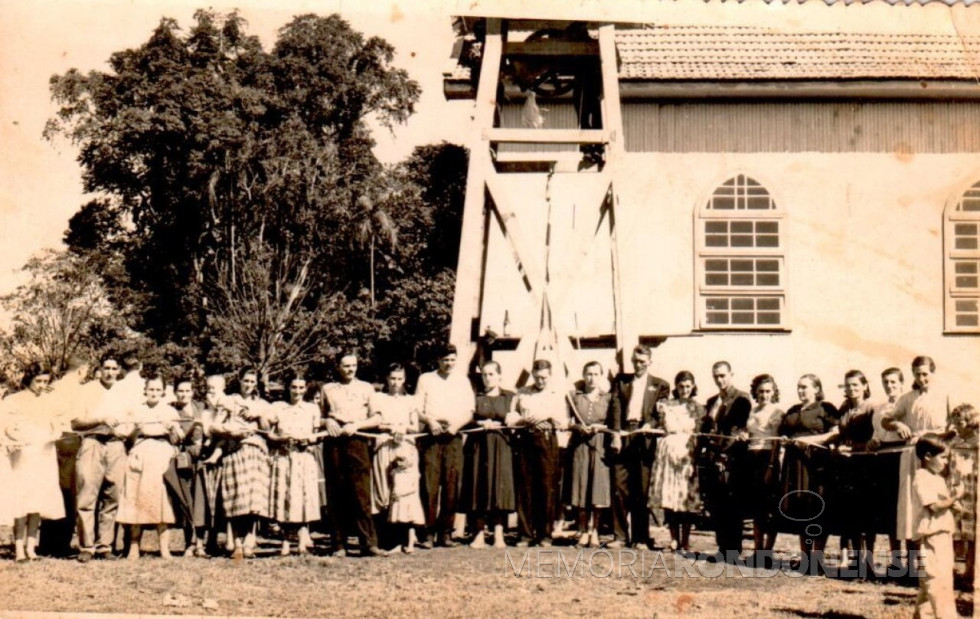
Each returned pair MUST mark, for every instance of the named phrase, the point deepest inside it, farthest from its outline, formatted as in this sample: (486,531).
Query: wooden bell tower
(534,62)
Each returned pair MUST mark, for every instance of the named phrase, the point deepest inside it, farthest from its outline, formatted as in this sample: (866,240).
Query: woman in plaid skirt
(295,499)
(245,467)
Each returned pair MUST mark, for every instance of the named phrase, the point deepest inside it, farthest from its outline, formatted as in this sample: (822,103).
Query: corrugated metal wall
(929,127)
(556,116)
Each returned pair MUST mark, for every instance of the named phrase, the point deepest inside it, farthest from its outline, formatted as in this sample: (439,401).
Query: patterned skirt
(673,479)
(245,482)
(295,495)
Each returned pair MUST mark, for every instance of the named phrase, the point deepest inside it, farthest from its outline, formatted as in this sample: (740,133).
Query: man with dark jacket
(721,461)
(634,407)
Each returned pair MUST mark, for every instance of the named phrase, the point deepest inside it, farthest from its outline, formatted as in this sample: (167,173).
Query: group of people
(114,452)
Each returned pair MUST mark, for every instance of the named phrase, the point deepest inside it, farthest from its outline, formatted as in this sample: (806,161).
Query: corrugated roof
(740,53)
(750,53)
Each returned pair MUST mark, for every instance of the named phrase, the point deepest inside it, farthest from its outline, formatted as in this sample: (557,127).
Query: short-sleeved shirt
(817,418)
(396,410)
(449,399)
(930,488)
(763,422)
(348,402)
(296,420)
(534,406)
(922,411)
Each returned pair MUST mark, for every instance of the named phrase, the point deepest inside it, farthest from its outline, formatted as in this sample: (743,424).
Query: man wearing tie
(634,407)
(728,412)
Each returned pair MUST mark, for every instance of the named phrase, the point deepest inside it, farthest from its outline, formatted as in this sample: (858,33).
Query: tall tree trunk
(371,261)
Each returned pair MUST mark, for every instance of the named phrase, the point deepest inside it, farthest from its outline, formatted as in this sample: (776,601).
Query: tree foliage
(239,211)
(60,314)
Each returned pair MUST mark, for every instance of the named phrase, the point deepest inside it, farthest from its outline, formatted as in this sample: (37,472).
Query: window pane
(743,318)
(767,279)
(767,240)
(716,279)
(742,265)
(768,318)
(967,281)
(768,227)
(966,229)
(966,305)
(966,243)
(967,320)
(716,266)
(742,227)
(723,203)
(768,266)
(717,318)
(767,303)
(966,268)
(741,240)
(716,226)
(742,279)
(716,303)
(743,304)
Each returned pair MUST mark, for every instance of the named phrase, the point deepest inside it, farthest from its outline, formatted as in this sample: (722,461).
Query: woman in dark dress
(590,483)
(488,469)
(854,503)
(803,508)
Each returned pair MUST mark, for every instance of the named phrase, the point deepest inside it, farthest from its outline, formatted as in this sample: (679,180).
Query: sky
(40,186)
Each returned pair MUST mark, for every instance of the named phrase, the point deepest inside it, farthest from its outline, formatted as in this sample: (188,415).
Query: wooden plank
(552,48)
(547,136)
(612,120)
(469,269)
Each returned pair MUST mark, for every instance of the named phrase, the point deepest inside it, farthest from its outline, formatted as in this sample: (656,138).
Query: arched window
(741,266)
(961,237)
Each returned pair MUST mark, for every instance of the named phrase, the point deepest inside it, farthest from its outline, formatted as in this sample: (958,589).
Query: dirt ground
(450,582)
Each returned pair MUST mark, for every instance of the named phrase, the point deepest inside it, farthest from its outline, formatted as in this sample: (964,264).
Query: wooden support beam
(548,136)
(552,48)
(469,270)
(612,121)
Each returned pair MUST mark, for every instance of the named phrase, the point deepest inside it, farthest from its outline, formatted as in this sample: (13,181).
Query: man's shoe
(522,543)
(374,551)
(84,556)
(614,544)
(448,542)
(426,544)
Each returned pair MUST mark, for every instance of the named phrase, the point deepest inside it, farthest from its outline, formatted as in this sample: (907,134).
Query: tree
(373,223)
(217,165)
(60,314)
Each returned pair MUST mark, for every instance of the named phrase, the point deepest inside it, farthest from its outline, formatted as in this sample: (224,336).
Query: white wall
(863,235)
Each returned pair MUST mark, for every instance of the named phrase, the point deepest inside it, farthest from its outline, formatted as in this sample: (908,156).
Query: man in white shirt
(542,410)
(101,462)
(347,460)
(446,401)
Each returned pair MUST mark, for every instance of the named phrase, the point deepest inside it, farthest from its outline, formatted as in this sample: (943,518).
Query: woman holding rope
(245,467)
(807,426)
(590,482)
(30,475)
(855,501)
(294,495)
(488,466)
(762,465)
(673,479)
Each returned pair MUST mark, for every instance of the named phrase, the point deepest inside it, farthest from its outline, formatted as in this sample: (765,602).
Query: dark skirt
(804,504)
(205,495)
(488,474)
(589,479)
(761,483)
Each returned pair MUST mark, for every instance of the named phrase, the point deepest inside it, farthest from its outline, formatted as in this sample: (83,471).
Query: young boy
(935,529)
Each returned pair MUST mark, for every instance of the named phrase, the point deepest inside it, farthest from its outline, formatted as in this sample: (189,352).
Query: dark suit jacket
(732,416)
(656,389)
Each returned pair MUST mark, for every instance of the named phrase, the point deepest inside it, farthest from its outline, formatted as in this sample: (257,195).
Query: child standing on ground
(935,528)
(963,474)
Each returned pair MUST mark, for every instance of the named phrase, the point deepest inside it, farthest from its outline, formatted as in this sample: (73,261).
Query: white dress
(144,498)
(922,413)
(30,472)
